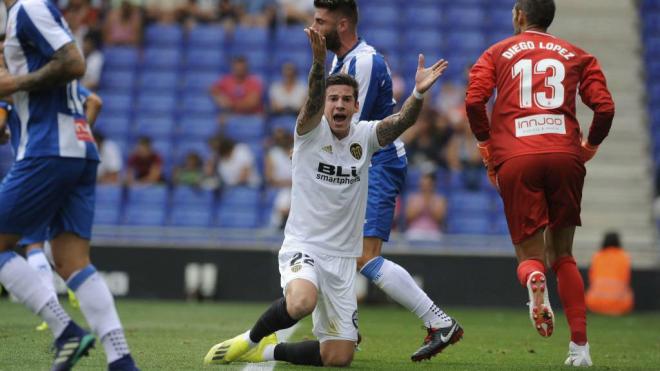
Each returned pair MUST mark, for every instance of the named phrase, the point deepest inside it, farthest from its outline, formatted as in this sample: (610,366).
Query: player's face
(326,23)
(340,105)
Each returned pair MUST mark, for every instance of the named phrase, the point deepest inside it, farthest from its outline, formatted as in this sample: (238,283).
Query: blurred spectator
(609,279)
(191,172)
(111,160)
(425,211)
(296,11)
(94,59)
(163,11)
(123,25)
(233,162)
(200,11)
(451,102)
(278,175)
(145,166)
(82,17)
(257,13)
(239,92)
(287,95)
(463,156)
(228,13)
(425,144)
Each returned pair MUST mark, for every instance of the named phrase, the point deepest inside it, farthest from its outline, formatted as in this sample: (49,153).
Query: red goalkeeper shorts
(541,190)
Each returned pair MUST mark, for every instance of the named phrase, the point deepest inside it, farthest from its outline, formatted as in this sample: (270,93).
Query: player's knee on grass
(301,298)
(337,353)
(371,248)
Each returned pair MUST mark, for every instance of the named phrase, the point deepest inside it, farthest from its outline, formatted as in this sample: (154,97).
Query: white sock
(39,262)
(246,336)
(98,307)
(20,280)
(400,286)
(269,352)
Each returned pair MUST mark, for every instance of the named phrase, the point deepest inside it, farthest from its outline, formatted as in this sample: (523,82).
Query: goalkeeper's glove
(484,151)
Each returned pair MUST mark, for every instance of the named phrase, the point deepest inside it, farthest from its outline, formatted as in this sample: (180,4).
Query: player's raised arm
(312,111)
(393,126)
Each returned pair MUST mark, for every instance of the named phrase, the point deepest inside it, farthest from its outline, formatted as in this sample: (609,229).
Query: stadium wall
(252,275)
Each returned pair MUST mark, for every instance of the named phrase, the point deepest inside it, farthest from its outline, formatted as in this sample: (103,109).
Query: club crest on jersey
(356,150)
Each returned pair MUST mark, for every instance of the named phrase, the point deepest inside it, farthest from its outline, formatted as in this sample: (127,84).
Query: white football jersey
(329,192)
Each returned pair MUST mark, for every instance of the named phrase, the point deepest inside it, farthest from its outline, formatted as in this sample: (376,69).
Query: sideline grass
(165,335)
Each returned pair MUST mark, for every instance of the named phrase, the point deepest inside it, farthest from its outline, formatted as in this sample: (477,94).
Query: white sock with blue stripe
(98,307)
(22,281)
(39,262)
(398,284)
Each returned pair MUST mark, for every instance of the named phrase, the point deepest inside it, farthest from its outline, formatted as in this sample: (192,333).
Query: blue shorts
(387,176)
(42,197)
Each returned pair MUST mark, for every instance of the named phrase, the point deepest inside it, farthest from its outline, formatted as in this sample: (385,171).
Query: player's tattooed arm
(312,111)
(393,126)
(66,64)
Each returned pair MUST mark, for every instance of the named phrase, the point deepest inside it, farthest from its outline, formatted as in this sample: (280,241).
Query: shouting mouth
(339,118)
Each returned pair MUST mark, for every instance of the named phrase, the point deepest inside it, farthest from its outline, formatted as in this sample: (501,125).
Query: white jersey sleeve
(43,27)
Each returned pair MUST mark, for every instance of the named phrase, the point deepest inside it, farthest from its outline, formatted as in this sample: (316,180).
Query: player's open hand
(426,77)
(318,44)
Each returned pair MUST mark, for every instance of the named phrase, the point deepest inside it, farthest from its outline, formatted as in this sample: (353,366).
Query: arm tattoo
(65,65)
(393,126)
(309,116)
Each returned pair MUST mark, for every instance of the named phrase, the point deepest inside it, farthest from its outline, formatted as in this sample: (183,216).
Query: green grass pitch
(165,335)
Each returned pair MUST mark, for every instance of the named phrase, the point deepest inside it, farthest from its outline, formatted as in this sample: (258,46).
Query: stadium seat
(113,125)
(497,36)
(158,81)
(163,35)
(154,126)
(137,215)
(240,197)
(245,128)
(302,59)
(464,17)
(160,58)
(189,145)
(465,201)
(198,126)
(120,57)
(109,194)
(286,122)
(250,37)
(499,20)
(258,59)
(413,177)
(200,216)
(164,103)
(382,14)
(207,37)
(185,196)
(106,214)
(197,104)
(198,81)
(499,225)
(382,38)
(206,60)
(118,81)
(423,41)
(291,38)
(466,42)
(116,103)
(238,218)
(147,195)
(423,16)
(473,224)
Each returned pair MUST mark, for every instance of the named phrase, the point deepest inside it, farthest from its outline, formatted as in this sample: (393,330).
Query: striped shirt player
(50,189)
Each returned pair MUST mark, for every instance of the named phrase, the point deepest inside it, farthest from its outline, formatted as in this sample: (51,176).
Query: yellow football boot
(256,354)
(228,351)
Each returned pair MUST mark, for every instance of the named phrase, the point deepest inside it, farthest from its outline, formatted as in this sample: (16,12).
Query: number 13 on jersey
(554,73)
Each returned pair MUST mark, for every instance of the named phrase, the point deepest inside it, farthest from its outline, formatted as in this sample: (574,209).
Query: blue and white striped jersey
(375,89)
(52,121)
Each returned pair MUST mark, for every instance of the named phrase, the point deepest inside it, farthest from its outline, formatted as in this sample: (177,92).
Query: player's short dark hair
(347,8)
(343,79)
(539,12)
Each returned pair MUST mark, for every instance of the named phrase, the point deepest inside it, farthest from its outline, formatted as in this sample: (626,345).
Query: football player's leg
(36,258)
(70,233)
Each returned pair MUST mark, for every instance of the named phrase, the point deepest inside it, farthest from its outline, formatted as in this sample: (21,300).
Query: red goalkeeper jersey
(536,77)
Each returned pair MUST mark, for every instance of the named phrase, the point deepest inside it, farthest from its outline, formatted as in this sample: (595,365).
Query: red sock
(527,267)
(571,293)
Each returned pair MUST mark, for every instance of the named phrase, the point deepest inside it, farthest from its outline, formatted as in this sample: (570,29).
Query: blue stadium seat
(462,201)
(154,125)
(184,196)
(423,41)
(466,41)
(147,195)
(199,217)
(165,148)
(119,81)
(497,36)
(116,103)
(285,122)
(197,103)
(198,126)
(106,214)
(302,59)
(258,58)
(412,179)
(187,145)
(500,20)
(464,17)
(244,128)
(291,38)
(109,194)
(164,103)
(383,14)
(207,36)
(240,197)
(138,215)
(113,125)
(499,225)
(163,35)
(196,81)
(158,80)
(474,224)
(423,16)
(250,37)
(206,59)
(229,217)
(382,38)
(161,58)
(120,57)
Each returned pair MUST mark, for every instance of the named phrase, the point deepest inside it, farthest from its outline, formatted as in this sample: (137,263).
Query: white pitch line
(282,336)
